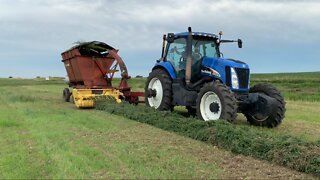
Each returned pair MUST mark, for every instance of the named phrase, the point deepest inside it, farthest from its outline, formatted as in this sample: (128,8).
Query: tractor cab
(203,45)
(202,50)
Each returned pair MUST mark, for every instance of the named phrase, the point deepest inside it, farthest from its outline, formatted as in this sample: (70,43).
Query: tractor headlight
(234,79)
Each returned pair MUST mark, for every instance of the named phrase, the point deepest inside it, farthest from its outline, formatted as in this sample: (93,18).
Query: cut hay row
(284,150)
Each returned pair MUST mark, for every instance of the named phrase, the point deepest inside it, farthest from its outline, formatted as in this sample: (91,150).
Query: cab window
(176,53)
(203,47)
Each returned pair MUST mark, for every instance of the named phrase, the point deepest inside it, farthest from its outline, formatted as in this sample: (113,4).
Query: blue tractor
(193,73)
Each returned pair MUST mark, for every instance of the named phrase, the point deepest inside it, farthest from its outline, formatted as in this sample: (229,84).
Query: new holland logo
(206,71)
(210,71)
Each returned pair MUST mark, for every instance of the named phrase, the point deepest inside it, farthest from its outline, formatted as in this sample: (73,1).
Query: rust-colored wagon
(91,67)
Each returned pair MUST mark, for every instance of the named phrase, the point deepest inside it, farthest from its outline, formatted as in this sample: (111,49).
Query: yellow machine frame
(84,98)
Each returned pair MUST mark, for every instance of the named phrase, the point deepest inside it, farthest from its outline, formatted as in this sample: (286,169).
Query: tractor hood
(221,62)
(222,69)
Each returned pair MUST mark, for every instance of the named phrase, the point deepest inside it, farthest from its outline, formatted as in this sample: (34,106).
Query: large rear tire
(158,90)
(276,117)
(215,101)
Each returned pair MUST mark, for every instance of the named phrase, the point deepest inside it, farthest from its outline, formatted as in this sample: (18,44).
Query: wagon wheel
(66,95)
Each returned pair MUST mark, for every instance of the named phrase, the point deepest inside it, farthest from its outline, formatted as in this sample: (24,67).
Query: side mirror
(239,43)
(170,38)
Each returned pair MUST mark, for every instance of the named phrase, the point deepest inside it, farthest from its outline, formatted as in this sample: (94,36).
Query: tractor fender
(167,66)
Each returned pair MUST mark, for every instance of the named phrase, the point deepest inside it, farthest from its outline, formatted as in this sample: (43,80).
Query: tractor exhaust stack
(163,46)
(189,57)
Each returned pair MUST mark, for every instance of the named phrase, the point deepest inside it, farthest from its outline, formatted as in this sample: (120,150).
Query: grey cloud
(129,22)
(31,27)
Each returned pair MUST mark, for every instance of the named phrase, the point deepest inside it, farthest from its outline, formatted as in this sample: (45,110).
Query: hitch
(151,93)
(258,104)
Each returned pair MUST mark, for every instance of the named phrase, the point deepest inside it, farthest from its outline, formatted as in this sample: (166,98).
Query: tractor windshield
(204,47)
(201,47)
(176,53)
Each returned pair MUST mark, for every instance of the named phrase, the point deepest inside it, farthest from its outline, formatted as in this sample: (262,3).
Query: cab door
(176,55)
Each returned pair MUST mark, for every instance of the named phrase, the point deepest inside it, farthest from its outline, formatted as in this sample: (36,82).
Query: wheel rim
(210,106)
(155,84)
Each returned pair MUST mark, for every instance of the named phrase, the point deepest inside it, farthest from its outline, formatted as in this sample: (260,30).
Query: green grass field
(43,137)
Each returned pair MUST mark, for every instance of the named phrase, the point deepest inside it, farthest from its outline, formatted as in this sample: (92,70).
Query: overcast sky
(278,36)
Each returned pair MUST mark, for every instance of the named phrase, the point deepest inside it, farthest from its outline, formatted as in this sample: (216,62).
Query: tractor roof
(185,34)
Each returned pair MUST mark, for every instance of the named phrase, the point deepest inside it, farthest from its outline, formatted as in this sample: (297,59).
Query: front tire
(158,90)
(276,117)
(215,101)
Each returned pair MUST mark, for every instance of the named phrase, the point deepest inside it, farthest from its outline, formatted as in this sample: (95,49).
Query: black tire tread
(227,98)
(276,117)
(165,79)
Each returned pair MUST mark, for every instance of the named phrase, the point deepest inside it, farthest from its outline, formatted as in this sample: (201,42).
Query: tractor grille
(243,77)
(228,76)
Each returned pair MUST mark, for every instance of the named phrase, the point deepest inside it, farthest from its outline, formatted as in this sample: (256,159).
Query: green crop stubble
(40,145)
(283,149)
(42,137)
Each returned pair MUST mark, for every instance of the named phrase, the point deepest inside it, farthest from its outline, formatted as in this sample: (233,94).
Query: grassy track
(302,120)
(283,149)
(42,137)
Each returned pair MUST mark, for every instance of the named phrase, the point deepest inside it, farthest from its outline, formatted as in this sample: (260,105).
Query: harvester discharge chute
(91,67)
